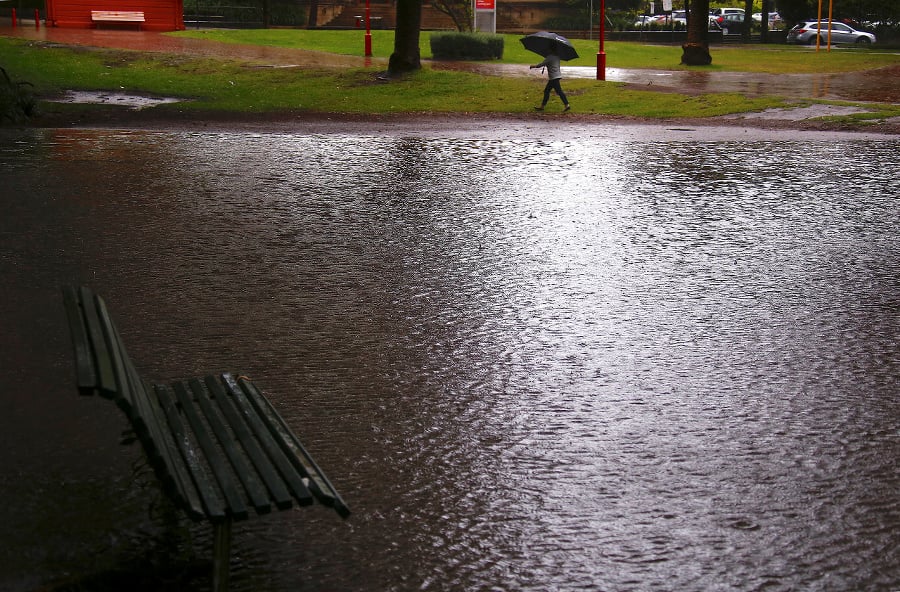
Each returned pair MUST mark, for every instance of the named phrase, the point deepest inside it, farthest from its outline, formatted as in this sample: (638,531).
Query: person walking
(554,78)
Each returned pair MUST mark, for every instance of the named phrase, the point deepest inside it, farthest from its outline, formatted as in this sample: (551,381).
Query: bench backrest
(216,443)
(117,15)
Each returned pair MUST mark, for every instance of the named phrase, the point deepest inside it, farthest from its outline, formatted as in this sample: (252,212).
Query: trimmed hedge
(466,46)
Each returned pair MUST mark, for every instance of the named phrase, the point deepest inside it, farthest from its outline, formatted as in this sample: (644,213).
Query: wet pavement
(881,85)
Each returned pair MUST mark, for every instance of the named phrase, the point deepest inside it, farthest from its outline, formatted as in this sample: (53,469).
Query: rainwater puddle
(809,112)
(528,363)
(136,102)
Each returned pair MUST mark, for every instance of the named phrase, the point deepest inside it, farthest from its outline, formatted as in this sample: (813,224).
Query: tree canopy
(883,11)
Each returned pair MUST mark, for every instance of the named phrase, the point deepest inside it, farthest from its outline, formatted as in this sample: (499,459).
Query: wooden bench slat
(214,508)
(320,485)
(118,17)
(106,380)
(233,499)
(274,485)
(85,370)
(160,446)
(297,455)
(273,451)
(134,398)
(115,15)
(258,497)
(182,486)
(123,395)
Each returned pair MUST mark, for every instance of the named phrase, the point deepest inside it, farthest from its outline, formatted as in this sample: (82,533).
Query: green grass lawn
(737,58)
(231,85)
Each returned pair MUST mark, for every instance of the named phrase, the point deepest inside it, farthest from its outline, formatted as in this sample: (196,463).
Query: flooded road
(528,363)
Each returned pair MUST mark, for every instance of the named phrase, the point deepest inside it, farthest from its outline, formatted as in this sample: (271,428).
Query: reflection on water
(527,364)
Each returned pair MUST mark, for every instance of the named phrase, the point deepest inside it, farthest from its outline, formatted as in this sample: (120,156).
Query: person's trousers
(554,85)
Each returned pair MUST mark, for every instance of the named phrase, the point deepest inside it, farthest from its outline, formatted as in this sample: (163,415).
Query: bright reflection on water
(528,364)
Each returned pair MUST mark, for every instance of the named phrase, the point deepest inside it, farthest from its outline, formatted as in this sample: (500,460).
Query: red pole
(14,18)
(601,55)
(37,18)
(368,30)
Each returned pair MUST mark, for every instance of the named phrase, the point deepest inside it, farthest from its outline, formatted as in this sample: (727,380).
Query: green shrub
(569,21)
(466,46)
(17,104)
(283,13)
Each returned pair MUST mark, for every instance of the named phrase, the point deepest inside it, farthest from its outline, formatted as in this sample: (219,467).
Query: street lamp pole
(368,30)
(601,55)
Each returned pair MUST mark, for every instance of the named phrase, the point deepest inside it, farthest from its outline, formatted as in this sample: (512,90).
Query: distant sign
(484,4)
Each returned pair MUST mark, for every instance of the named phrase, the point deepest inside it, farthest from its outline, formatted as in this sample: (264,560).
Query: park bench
(126,17)
(216,444)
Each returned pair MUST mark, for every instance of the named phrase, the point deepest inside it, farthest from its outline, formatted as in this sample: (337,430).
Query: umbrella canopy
(543,42)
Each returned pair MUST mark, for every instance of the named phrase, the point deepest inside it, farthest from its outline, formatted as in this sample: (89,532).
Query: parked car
(717,12)
(808,31)
(721,11)
(731,24)
(677,16)
(774,19)
(645,20)
(658,20)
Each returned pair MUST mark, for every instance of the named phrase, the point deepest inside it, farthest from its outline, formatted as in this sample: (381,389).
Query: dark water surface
(528,365)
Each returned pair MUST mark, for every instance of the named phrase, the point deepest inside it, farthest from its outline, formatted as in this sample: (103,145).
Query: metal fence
(205,14)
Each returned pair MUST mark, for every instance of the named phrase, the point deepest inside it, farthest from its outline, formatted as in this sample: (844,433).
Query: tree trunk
(696,51)
(406,56)
(748,20)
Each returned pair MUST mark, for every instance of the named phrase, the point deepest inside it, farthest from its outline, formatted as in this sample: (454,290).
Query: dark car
(731,24)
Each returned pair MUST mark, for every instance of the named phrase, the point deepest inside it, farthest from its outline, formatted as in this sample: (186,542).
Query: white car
(808,31)
(774,18)
(645,20)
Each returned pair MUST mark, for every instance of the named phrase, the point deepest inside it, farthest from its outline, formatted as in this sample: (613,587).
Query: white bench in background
(118,16)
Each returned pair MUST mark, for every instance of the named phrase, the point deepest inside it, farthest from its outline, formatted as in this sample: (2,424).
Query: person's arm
(541,65)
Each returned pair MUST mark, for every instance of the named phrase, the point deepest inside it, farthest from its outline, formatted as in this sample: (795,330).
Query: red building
(159,15)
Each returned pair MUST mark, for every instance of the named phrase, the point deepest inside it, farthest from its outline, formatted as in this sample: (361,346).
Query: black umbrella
(542,42)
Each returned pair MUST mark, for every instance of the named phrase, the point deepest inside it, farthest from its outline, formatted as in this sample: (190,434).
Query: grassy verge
(738,58)
(230,85)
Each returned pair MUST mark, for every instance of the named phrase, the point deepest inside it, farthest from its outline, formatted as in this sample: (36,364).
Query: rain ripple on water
(529,364)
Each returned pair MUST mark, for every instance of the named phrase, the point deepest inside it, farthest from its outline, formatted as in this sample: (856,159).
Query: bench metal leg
(221,556)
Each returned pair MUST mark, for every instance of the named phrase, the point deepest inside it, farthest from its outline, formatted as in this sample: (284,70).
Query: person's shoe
(567,107)
(538,108)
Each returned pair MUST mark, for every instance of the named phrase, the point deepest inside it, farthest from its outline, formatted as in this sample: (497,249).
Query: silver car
(807,31)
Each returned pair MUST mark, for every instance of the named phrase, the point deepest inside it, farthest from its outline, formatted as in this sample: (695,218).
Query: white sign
(485,16)
(667,5)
